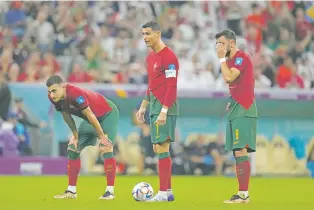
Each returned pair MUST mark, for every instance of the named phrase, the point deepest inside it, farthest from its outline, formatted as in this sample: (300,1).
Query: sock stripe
(242,159)
(163,155)
(108,155)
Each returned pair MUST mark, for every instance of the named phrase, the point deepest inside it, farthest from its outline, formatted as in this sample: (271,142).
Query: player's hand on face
(105,141)
(140,115)
(74,141)
(161,120)
(221,50)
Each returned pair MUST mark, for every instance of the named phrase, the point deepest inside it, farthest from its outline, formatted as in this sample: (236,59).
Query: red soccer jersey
(242,89)
(162,68)
(78,99)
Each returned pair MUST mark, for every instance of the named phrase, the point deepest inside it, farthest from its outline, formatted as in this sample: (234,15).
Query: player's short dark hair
(153,25)
(228,34)
(55,79)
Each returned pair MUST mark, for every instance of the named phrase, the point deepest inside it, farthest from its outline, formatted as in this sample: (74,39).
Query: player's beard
(228,51)
(147,44)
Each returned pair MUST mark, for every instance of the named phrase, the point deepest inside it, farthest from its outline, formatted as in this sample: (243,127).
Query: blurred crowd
(101,41)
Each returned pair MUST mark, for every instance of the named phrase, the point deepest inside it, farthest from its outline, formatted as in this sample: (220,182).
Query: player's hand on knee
(140,115)
(161,120)
(104,140)
(74,141)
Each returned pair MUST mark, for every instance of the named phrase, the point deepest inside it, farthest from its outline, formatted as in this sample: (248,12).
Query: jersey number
(157,130)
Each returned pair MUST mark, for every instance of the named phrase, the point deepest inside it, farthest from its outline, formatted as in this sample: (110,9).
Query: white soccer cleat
(159,198)
(107,196)
(66,195)
(170,195)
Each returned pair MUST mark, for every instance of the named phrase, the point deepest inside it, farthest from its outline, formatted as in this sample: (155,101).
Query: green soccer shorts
(161,134)
(241,133)
(109,123)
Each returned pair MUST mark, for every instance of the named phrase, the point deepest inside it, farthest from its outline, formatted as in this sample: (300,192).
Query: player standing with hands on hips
(100,120)
(237,70)
(161,95)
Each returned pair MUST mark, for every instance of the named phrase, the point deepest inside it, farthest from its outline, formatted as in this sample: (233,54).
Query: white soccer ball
(142,191)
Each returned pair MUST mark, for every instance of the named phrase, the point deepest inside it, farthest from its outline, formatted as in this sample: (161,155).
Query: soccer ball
(142,191)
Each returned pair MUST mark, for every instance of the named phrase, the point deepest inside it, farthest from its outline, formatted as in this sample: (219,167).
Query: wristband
(164,110)
(221,60)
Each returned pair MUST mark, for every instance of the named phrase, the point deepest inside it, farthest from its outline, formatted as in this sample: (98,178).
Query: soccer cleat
(237,199)
(158,198)
(170,196)
(107,196)
(66,195)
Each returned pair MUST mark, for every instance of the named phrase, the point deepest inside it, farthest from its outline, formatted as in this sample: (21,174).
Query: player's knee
(163,150)
(73,153)
(106,152)
(104,149)
(162,147)
(240,152)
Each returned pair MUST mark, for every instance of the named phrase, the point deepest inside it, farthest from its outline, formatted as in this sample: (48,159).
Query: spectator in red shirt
(256,19)
(31,69)
(50,60)
(254,40)
(33,60)
(287,75)
(302,26)
(78,75)
(268,13)
(6,60)
(13,73)
(29,75)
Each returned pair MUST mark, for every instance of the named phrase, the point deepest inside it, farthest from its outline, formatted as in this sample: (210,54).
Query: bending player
(161,95)
(237,70)
(100,120)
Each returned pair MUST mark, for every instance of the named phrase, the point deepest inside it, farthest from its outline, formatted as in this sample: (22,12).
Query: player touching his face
(237,70)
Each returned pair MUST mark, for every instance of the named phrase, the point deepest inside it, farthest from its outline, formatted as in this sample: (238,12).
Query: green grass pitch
(36,193)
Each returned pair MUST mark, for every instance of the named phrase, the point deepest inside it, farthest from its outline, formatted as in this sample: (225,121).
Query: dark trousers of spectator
(178,169)
(5,96)
(24,149)
(206,169)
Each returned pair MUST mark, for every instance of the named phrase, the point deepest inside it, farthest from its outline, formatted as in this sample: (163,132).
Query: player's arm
(66,117)
(80,101)
(70,122)
(229,74)
(92,119)
(171,83)
(145,101)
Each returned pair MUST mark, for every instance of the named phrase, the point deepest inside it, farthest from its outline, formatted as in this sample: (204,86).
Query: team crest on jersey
(238,61)
(155,66)
(80,100)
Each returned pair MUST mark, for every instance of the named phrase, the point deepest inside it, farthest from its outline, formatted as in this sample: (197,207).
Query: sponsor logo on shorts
(237,134)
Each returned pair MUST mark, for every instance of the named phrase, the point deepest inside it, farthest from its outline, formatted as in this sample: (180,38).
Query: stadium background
(98,45)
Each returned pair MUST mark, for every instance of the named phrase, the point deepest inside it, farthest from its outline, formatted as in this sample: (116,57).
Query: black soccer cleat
(237,199)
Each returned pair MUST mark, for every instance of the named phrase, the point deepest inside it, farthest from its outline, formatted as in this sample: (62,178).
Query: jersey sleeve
(240,62)
(171,66)
(147,93)
(78,98)
(56,105)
